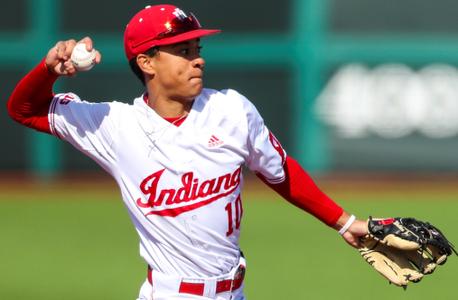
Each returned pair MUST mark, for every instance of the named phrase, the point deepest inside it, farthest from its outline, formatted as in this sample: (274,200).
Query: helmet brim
(182,37)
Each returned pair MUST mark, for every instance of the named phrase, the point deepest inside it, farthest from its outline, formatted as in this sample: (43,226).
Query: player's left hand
(354,233)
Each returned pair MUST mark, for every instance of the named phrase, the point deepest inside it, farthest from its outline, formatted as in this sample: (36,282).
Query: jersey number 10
(238,215)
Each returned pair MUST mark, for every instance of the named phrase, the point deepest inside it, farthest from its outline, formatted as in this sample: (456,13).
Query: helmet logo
(179,14)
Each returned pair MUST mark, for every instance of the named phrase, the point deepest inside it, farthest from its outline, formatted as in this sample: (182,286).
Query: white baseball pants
(167,287)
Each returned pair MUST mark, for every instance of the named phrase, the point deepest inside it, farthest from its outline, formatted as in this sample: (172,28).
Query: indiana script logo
(192,193)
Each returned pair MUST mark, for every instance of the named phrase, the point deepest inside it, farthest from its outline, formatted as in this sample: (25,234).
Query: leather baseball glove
(404,249)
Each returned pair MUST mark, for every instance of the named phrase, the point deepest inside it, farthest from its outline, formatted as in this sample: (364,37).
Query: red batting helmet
(160,25)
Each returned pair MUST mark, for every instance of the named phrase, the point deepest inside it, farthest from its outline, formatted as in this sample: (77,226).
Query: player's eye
(189,51)
(184,51)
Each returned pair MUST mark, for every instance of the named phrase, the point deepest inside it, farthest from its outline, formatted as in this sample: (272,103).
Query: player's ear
(146,64)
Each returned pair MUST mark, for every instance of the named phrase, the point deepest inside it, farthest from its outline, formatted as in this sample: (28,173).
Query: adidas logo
(214,142)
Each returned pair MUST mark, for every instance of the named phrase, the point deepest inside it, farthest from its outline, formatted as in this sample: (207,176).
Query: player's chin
(196,81)
(196,86)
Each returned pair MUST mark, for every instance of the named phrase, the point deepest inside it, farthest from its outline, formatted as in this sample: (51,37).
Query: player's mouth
(197,75)
(196,79)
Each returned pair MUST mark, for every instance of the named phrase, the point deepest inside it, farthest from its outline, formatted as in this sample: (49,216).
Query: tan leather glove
(403,250)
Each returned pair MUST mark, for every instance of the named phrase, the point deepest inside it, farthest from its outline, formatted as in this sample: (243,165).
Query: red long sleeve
(29,102)
(300,190)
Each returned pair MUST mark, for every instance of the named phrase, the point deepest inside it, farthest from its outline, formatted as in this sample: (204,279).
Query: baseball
(82,59)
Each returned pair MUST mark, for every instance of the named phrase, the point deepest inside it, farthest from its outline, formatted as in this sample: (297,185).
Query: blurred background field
(73,240)
(363,93)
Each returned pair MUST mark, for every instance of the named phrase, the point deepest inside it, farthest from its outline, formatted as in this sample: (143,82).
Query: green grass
(65,245)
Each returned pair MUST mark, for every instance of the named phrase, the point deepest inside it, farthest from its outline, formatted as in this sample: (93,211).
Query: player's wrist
(344,222)
(47,69)
(350,220)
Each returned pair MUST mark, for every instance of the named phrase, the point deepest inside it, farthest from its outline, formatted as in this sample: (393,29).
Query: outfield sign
(391,101)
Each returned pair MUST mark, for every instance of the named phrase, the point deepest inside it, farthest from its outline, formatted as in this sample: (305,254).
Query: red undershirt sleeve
(30,100)
(299,189)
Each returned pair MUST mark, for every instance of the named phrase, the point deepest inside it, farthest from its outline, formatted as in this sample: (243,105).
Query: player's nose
(198,62)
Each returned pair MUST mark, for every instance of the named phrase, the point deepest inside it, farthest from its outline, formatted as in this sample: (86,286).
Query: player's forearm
(29,102)
(299,189)
(342,220)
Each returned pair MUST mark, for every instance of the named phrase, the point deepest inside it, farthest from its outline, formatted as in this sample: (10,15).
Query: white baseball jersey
(181,185)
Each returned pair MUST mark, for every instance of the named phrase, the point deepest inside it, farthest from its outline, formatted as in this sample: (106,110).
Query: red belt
(198,288)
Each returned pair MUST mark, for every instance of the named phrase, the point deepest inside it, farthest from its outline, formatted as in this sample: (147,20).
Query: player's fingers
(90,46)
(55,56)
(60,69)
(98,57)
(60,50)
(69,68)
(52,56)
(88,41)
(58,58)
(69,45)
(352,240)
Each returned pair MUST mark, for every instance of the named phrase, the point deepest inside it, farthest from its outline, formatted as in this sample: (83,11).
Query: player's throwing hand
(58,58)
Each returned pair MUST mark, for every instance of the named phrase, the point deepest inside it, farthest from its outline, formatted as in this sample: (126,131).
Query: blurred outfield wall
(384,74)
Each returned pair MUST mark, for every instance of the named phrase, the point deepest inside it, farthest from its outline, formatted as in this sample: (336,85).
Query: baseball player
(177,153)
